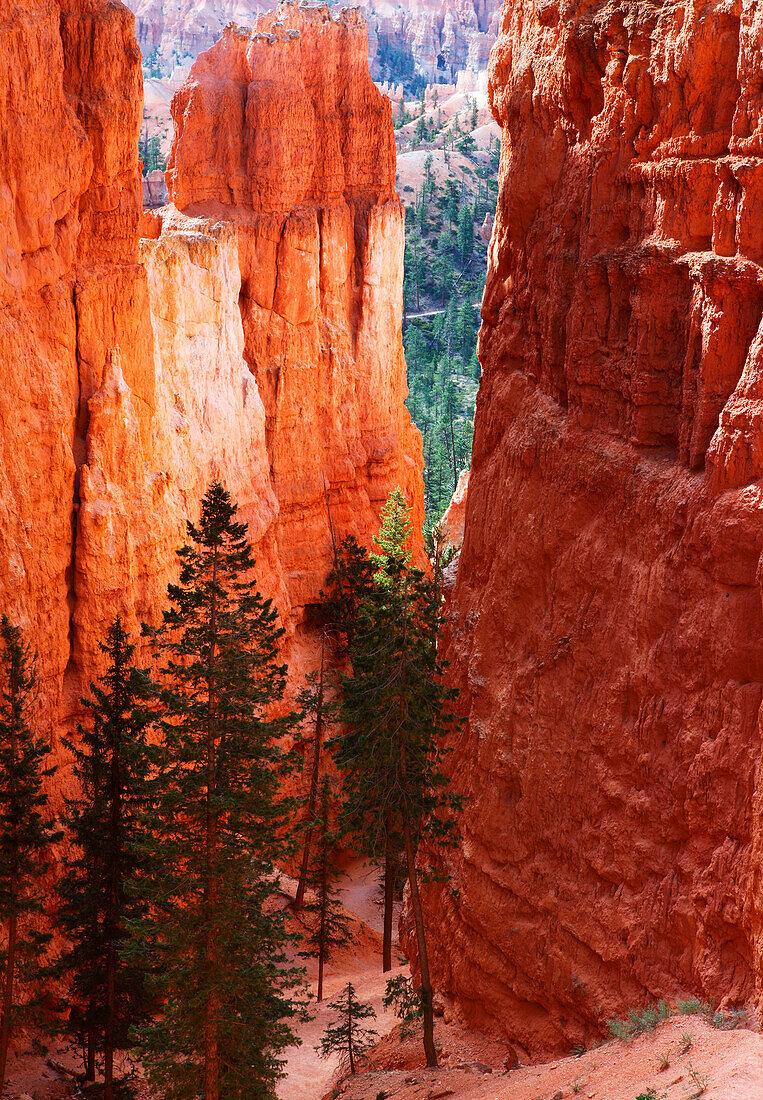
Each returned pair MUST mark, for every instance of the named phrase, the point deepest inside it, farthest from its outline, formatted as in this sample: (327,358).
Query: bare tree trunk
(211,1032)
(389,898)
(349,1032)
(324,899)
(90,1049)
(111,927)
(418,916)
(299,897)
(10,965)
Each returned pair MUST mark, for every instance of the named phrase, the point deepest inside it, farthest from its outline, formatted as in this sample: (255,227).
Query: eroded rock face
(281,133)
(606,628)
(438,38)
(142,358)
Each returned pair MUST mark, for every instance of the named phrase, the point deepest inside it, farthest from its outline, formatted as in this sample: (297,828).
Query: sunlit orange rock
(454,517)
(143,355)
(281,133)
(605,629)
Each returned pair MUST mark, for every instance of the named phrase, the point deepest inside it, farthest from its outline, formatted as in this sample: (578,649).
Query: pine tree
(346,1036)
(349,583)
(25,838)
(394,533)
(218,828)
(111,766)
(397,716)
(316,709)
(465,235)
(330,926)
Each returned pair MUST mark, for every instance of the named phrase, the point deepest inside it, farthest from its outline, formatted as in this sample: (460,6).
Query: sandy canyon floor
(683,1059)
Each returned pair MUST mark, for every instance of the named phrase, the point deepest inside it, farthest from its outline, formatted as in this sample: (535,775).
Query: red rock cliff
(281,133)
(261,348)
(606,628)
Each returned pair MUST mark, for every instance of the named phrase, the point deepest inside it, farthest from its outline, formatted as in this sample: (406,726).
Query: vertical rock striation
(257,344)
(281,134)
(605,629)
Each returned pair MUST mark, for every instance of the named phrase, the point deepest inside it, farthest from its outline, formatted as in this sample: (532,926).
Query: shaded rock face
(135,370)
(605,629)
(439,37)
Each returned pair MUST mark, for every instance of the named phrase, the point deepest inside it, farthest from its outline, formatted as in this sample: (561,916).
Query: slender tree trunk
(349,1032)
(299,897)
(10,962)
(108,1039)
(324,900)
(111,923)
(389,897)
(418,916)
(90,1049)
(453,450)
(10,965)
(211,1033)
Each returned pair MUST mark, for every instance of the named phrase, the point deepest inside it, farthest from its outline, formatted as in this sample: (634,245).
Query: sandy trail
(309,1077)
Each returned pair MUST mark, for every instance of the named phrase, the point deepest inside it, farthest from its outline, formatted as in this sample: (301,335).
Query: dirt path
(309,1077)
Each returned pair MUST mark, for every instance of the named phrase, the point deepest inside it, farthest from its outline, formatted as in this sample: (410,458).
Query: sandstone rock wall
(134,359)
(281,133)
(606,628)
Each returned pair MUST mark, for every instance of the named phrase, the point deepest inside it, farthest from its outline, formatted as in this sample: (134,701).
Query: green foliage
(150,152)
(393,537)
(465,235)
(346,1035)
(25,839)
(349,584)
(651,1094)
(401,996)
(111,763)
(394,703)
(397,719)
(699,1081)
(217,827)
(441,368)
(639,1021)
(466,145)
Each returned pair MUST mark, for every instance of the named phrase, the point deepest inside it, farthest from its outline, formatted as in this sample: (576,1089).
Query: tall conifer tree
(396,708)
(111,761)
(219,827)
(25,838)
(329,923)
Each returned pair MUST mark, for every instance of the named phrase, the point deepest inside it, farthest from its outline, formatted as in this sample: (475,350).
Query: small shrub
(652,1094)
(664,1061)
(699,1080)
(638,1021)
(693,1007)
(577,1085)
(686,1042)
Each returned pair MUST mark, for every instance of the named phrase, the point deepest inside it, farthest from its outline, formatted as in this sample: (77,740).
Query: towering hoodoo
(606,627)
(254,339)
(281,132)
